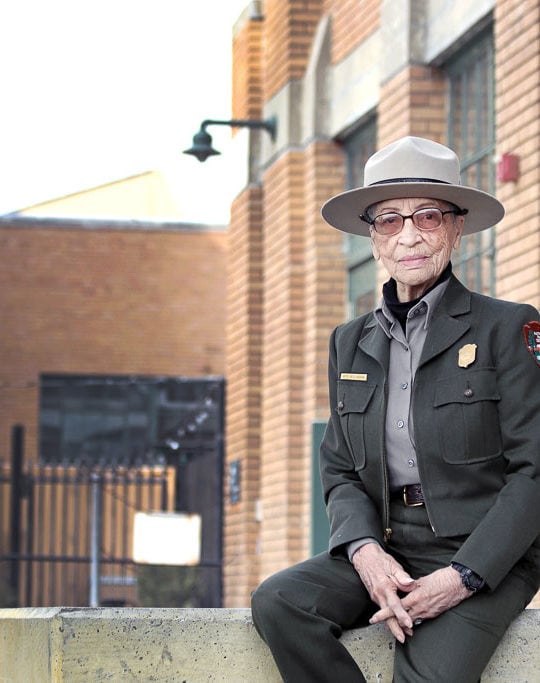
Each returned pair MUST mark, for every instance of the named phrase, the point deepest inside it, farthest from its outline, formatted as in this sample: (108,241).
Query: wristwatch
(469,579)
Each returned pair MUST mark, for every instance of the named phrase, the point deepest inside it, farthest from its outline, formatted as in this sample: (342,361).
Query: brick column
(517,88)
(351,25)
(412,103)
(325,296)
(244,333)
(283,475)
(289,29)
(326,274)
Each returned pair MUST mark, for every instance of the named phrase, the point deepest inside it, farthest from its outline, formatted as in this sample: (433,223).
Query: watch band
(469,579)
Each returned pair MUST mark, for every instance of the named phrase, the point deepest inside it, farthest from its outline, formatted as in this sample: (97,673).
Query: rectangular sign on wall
(167,538)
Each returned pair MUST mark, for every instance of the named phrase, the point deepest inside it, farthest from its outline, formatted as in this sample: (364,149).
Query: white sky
(97,90)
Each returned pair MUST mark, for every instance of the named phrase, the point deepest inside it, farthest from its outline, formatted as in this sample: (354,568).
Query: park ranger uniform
(449,405)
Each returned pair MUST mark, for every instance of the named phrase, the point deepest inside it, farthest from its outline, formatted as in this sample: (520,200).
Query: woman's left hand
(433,594)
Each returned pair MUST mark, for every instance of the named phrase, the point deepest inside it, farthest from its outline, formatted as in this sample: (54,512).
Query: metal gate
(71,529)
(66,531)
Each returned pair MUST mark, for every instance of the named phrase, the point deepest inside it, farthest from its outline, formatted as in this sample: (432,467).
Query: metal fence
(67,532)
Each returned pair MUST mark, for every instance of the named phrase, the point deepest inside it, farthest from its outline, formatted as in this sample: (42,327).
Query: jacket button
(468,393)
(340,405)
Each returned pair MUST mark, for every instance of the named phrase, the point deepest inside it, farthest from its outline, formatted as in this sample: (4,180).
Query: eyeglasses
(424,219)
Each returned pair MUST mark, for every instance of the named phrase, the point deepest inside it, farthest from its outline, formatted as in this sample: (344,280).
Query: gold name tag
(355,377)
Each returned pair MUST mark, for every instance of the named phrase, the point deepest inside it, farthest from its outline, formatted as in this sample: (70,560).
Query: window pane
(471,134)
(97,420)
(359,146)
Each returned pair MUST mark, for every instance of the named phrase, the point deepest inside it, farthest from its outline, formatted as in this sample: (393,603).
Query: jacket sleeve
(351,512)
(512,524)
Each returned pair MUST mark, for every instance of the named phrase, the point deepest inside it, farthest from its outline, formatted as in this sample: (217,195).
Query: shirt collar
(426,306)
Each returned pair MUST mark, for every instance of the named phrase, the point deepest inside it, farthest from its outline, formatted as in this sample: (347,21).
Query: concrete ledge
(79,645)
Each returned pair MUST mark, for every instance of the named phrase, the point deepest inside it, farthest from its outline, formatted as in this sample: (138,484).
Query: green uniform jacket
(476,430)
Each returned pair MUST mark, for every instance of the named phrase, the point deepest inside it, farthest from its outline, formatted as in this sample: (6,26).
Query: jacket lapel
(446,327)
(375,343)
(450,321)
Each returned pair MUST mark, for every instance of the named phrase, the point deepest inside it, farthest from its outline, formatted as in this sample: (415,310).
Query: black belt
(411,495)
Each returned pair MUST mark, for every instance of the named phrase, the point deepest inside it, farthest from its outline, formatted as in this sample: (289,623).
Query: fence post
(95,549)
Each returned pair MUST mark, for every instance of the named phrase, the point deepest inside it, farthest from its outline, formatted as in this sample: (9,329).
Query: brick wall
(288,31)
(325,274)
(105,301)
(304,299)
(352,22)
(244,336)
(243,421)
(517,68)
(412,103)
(247,78)
(303,292)
(283,479)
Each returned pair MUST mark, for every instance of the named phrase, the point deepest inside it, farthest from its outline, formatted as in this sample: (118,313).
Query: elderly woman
(430,461)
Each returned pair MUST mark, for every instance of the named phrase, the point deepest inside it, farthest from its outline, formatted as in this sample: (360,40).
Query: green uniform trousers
(301,612)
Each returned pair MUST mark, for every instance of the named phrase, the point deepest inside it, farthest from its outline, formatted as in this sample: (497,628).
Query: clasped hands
(402,599)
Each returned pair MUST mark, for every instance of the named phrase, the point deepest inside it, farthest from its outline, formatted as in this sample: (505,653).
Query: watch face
(472,581)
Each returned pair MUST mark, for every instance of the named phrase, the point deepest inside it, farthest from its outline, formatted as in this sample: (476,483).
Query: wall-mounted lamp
(202,141)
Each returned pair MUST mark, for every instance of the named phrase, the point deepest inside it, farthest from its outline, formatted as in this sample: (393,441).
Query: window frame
(126,420)
(359,145)
(474,62)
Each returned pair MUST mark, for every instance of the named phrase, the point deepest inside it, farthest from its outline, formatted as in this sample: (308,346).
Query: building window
(362,272)
(471,133)
(97,420)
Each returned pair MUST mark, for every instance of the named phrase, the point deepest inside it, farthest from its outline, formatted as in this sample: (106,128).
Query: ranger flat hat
(412,167)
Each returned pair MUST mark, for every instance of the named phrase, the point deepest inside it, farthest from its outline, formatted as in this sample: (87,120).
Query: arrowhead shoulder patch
(531,332)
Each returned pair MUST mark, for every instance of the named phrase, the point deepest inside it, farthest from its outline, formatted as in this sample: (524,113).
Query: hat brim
(344,210)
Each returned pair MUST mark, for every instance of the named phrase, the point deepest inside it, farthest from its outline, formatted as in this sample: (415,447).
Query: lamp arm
(270,124)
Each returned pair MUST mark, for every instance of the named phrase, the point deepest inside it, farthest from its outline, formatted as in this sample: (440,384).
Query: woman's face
(416,258)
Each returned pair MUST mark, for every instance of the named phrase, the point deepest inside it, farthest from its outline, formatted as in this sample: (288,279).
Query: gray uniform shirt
(405,351)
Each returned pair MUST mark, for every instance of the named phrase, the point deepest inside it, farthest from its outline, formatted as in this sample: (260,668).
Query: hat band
(409,180)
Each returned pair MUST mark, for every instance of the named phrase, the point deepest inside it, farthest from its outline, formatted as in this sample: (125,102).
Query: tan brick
(301,262)
(106,302)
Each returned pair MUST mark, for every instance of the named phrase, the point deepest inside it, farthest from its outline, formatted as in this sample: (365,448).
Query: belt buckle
(406,500)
